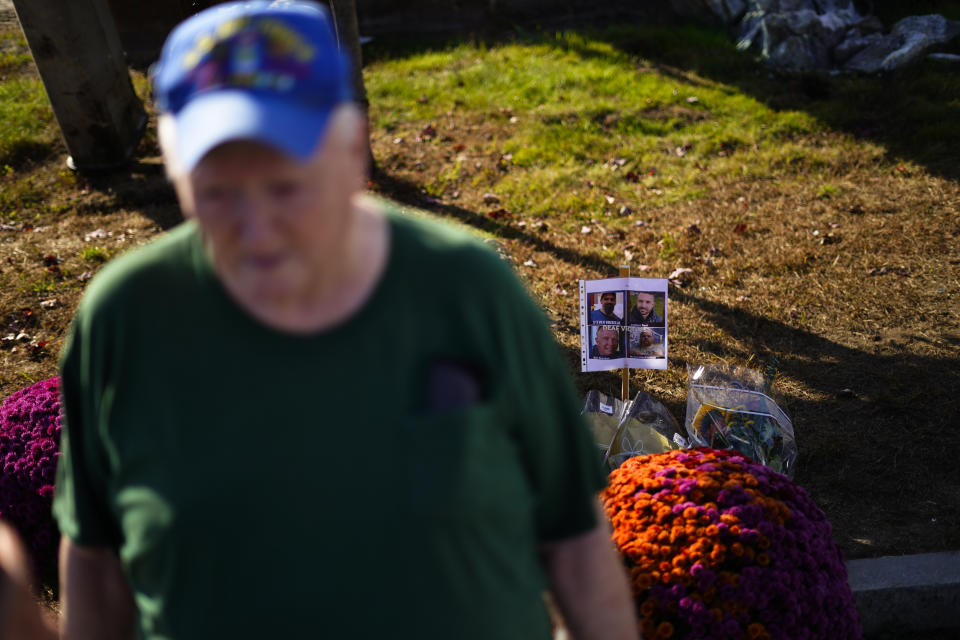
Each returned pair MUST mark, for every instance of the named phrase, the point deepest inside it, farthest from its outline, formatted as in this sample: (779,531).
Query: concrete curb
(901,596)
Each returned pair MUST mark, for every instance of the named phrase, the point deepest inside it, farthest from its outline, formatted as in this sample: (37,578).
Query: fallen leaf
(740,229)
(458,148)
(499,213)
(681,273)
(830,238)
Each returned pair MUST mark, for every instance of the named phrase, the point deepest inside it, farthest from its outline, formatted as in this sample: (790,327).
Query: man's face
(607,302)
(646,338)
(607,342)
(644,303)
(274,226)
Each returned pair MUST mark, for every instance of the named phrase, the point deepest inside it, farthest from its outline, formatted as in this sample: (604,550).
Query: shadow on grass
(141,186)
(872,415)
(881,410)
(411,194)
(871,411)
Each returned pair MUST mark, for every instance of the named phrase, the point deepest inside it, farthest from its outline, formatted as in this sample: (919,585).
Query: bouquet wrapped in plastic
(637,427)
(731,407)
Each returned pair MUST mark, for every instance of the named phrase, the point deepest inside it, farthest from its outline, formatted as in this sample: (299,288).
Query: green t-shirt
(257,483)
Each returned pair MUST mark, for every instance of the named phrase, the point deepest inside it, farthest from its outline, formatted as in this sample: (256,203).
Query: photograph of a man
(606,342)
(645,343)
(605,314)
(644,311)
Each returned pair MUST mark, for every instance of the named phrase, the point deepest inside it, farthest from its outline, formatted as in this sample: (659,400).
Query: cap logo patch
(250,53)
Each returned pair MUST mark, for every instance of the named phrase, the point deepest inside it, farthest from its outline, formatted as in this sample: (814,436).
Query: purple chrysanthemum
(29,450)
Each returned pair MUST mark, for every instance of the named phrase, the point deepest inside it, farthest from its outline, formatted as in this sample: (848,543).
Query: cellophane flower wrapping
(29,450)
(731,407)
(720,547)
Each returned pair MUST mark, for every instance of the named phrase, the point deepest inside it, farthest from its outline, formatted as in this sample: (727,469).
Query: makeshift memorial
(29,449)
(623,324)
(730,407)
(718,547)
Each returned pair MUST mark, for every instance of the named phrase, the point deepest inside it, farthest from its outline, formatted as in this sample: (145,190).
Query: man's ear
(184,191)
(360,144)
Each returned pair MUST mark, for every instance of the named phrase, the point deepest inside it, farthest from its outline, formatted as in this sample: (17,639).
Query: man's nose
(256,223)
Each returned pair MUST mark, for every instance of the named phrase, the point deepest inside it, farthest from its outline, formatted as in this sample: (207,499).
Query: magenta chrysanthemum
(29,449)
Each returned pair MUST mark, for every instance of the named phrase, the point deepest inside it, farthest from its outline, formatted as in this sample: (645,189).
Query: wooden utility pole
(78,54)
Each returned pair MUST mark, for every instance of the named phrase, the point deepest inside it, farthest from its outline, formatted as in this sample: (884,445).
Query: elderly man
(606,342)
(226,472)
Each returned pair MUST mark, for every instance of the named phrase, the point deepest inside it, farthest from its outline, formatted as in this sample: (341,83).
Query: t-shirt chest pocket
(462,464)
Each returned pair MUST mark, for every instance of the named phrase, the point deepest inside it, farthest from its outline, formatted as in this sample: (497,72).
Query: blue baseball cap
(265,71)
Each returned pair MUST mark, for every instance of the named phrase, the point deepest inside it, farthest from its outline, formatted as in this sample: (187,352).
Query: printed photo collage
(623,324)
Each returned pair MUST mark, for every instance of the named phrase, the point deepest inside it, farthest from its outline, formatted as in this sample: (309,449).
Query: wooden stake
(625,372)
